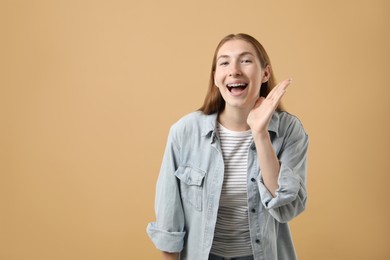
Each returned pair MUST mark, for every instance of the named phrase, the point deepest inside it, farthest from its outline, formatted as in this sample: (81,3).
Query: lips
(236,88)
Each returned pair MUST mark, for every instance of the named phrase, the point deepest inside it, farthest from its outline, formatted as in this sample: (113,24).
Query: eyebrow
(240,55)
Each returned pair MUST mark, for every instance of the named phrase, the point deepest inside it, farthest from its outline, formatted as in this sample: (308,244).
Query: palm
(261,114)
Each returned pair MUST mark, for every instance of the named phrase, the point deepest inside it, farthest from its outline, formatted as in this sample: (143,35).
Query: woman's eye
(224,63)
(246,61)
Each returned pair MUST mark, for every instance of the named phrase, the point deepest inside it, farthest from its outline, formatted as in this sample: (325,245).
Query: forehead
(235,48)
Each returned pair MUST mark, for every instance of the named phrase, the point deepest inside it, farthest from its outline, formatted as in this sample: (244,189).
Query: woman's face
(239,74)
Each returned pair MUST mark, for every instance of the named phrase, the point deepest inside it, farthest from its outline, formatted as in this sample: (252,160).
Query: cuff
(171,242)
(289,185)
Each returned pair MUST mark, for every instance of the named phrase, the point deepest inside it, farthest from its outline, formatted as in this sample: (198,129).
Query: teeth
(235,85)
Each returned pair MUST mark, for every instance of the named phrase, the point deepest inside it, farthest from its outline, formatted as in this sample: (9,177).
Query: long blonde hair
(213,102)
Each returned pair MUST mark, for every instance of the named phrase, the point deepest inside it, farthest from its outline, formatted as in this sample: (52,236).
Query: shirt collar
(274,124)
(210,122)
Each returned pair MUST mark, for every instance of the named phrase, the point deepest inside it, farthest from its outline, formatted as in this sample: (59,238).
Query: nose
(234,70)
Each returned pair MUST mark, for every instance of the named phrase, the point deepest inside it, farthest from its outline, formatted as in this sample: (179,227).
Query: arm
(290,197)
(167,232)
(282,182)
(268,161)
(258,120)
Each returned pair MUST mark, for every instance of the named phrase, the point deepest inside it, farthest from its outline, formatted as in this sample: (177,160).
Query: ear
(266,74)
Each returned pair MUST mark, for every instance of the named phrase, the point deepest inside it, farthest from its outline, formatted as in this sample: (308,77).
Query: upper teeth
(234,85)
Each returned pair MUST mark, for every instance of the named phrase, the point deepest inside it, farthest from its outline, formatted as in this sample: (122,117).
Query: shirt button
(253,180)
(257,241)
(253,210)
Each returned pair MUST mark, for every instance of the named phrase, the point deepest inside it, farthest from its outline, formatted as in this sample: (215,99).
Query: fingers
(278,91)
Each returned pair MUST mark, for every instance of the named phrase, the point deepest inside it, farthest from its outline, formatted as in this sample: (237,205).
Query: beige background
(88,90)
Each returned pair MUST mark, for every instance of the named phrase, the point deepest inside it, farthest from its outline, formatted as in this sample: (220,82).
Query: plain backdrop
(89,89)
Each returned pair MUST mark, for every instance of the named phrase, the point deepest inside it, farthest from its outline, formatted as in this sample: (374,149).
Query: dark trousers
(215,257)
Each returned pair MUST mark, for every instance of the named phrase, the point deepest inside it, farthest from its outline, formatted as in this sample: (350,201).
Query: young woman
(234,172)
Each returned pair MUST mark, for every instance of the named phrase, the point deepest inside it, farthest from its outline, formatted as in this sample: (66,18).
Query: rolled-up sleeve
(290,197)
(167,232)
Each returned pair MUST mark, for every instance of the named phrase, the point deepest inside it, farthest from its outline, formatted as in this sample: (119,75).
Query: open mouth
(236,88)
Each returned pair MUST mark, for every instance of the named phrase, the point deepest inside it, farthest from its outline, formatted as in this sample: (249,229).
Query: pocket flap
(190,176)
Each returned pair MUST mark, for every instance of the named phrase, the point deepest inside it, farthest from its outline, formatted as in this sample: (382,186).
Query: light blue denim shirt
(190,183)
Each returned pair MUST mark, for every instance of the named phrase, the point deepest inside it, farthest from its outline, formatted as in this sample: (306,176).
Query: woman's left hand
(261,113)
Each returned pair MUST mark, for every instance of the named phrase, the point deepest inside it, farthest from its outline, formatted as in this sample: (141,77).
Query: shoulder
(193,123)
(287,118)
(191,118)
(289,123)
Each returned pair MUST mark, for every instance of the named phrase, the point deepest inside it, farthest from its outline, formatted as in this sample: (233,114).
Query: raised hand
(261,113)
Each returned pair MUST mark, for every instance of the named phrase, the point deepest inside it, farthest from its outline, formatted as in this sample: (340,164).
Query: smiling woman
(238,76)
(214,102)
(234,172)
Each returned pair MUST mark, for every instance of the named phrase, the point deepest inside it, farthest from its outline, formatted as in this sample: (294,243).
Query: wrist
(261,136)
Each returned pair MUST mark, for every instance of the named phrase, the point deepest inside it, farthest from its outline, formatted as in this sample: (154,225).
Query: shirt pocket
(191,185)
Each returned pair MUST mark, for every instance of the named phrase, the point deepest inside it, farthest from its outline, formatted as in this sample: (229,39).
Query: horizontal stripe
(232,236)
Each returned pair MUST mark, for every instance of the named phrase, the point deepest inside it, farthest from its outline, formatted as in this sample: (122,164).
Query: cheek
(256,89)
(258,78)
(217,79)
(216,82)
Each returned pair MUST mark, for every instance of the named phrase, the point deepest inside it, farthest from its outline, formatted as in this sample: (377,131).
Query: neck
(234,119)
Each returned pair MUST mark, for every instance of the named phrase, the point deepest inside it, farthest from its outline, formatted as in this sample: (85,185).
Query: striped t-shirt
(232,238)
